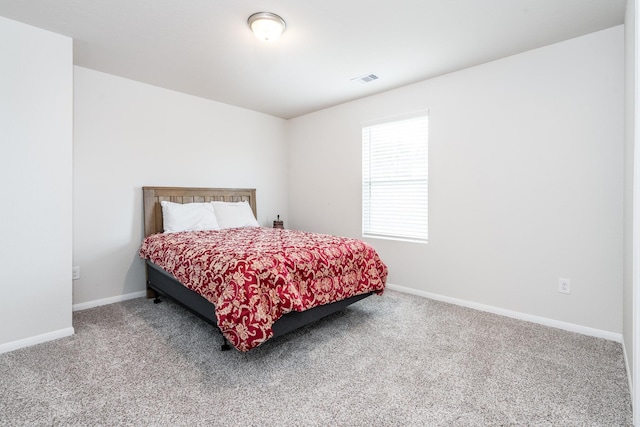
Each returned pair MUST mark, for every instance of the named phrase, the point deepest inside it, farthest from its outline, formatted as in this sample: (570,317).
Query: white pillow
(188,217)
(234,214)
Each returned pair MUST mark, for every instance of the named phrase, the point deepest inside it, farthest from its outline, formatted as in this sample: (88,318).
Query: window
(394,179)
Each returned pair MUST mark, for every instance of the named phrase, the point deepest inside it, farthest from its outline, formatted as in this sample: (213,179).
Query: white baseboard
(62,333)
(38,339)
(110,300)
(598,333)
(628,371)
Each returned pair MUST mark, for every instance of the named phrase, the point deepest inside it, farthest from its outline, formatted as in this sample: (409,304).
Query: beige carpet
(396,360)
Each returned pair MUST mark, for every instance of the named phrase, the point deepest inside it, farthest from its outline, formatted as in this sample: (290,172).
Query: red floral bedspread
(254,276)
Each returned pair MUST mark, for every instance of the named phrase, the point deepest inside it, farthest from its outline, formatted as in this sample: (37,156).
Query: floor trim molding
(627,369)
(585,330)
(37,339)
(96,303)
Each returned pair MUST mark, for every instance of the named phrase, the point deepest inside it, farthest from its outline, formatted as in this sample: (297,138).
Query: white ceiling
(204,47)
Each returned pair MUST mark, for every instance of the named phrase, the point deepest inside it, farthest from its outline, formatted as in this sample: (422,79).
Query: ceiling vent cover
(368,78)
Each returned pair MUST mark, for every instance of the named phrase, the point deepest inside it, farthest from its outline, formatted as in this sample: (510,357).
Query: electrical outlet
(76,273)
(564,286)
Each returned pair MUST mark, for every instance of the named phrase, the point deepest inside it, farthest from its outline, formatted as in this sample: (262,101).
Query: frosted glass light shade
(266,25)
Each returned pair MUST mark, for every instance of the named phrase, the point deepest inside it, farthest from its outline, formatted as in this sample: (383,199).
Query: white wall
(128,135)
(631,275)
(36,119)
(525,181)
(629,143)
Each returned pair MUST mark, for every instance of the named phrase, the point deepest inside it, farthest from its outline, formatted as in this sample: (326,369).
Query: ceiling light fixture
(266,25)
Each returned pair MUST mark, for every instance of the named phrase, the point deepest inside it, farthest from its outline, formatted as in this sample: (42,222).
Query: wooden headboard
(154,195)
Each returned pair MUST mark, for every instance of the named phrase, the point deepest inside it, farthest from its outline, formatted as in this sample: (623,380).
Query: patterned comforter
(254,276)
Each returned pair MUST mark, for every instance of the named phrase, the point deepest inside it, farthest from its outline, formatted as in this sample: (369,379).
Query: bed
(261,290)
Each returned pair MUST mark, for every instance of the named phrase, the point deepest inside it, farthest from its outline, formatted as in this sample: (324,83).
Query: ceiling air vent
(368,78)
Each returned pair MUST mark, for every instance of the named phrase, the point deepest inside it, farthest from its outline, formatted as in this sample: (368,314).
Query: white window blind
(394,179)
